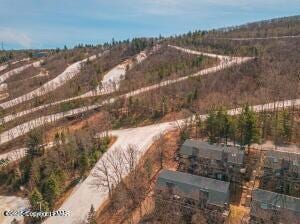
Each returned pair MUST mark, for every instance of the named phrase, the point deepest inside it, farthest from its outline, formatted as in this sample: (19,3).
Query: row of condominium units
(209,174)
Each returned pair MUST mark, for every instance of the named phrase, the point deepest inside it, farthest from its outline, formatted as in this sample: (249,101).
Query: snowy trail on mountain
(5,66)
(26,127)
(18,70)
(189,51)
(18,154)
(109,84)
(69,73)
(111,80)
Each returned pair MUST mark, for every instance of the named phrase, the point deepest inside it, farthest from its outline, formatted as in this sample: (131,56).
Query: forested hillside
(139,82)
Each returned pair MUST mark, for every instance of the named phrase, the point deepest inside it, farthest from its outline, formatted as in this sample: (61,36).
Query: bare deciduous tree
(102,177)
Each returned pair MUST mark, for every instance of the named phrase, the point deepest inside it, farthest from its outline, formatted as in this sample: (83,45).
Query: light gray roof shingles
(275,199)
(212,151)
(274,156)
(218,190)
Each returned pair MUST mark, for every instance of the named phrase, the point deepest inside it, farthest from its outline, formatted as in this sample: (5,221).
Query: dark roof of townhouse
(274,199)
(212,151)
(274,156)
(40,54)
(218,190)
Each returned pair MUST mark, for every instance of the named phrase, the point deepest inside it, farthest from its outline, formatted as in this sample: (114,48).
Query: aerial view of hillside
(150,112)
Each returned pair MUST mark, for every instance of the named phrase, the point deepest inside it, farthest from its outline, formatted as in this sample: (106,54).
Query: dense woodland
(272,76)
(247,128)
(45,175)
(166,63)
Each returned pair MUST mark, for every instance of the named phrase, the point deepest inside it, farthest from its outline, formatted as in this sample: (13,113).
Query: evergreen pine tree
(211,126)
(248,127)
(232,132)
(287,126)
(92,216)
(37,202)
(34,143)
(84,163)
(51,189)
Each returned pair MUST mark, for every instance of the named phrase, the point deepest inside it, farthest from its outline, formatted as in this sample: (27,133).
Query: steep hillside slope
(134,83)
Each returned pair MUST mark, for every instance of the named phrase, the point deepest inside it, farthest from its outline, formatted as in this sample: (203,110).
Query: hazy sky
(54,23)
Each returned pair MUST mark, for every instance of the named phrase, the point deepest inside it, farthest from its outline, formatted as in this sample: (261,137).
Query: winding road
(86,194)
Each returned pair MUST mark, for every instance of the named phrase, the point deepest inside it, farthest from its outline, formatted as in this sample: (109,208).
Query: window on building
(295,163)
(213,162)
(220,176)
(170,187)
(203,195)
(194,152)
(264,205)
